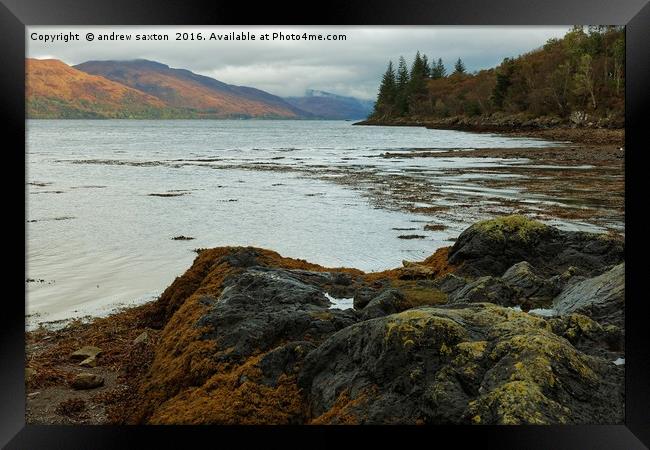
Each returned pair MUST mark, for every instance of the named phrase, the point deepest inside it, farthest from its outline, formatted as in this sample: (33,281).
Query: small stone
(86,380)
(91,361)
(143,337)
(85,352)
(412,270)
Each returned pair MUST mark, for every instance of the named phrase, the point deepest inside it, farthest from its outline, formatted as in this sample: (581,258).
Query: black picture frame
(16,14)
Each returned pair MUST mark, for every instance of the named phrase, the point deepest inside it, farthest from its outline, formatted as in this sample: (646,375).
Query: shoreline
(137,361)
(553,130)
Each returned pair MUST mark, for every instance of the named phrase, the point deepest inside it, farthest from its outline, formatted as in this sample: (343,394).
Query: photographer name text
(184,36)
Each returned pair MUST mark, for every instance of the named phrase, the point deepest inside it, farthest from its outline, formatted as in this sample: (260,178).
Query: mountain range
(332,106)
(141,89)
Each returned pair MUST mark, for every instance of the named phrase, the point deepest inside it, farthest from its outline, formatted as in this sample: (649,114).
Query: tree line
(583,72)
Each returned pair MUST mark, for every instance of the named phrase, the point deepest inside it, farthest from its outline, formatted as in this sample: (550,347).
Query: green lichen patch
(518,225)
(517,403)
(416,325)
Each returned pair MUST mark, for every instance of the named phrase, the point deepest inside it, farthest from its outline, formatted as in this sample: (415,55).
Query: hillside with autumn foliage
(577,80)
(180,88)
(56,90)
(141,90)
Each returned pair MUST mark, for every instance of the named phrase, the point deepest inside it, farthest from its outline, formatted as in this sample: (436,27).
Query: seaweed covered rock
(477,363)
(243,321)
(492,246)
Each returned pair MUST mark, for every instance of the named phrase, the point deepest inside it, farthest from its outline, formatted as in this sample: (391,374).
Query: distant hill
(325,105)
(182,89)
(142,89)
(56,90)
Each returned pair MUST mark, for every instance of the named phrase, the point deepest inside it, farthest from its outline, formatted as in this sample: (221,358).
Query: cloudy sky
(348,67)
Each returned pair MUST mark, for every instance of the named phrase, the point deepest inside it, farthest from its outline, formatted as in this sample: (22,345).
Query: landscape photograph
(325,225)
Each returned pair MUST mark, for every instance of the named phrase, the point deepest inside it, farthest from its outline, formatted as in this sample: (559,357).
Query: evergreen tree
(438,70)
(402,87)
(385,104)
(427,67)
(417,87)
(459,67)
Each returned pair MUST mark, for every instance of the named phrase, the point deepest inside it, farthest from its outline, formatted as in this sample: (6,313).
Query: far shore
(552,130)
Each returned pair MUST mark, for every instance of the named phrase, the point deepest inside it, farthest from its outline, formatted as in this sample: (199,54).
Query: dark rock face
(520,286)
(475,363)
(363,296)
(263,307)
(244,258)
(602,298)
(602,340)
(451,283)
(523,277)
(492,246)
(486,289)
(385,303)
(283,360)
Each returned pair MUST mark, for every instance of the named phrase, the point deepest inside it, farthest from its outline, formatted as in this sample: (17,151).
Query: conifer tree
(385,104)
(402,87)
(417,87)
(438,70)
(459,67)
(427,67)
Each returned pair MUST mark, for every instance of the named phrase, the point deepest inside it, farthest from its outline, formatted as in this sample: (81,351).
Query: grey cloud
(351,67)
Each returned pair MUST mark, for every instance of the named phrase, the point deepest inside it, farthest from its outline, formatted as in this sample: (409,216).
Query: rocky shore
(516,323)
(577,129)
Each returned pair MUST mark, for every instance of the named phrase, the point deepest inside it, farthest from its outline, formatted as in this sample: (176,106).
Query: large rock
(602,297)
(476,363)
(236,327)
(263,307)
(492,246)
